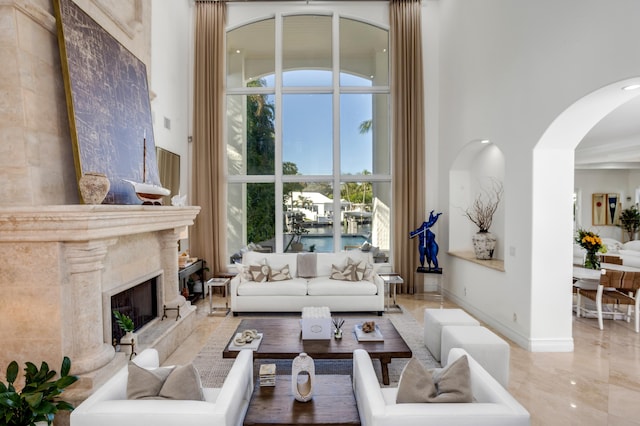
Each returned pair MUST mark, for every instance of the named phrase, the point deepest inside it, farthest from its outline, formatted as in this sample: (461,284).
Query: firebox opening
(138,302)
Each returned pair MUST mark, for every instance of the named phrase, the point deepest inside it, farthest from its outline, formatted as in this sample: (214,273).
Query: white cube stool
(435,319)
(486,347)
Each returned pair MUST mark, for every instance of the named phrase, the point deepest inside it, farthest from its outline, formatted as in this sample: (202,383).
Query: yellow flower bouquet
(592,243)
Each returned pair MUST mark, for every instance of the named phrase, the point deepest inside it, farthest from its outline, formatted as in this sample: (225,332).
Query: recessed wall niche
(476,168)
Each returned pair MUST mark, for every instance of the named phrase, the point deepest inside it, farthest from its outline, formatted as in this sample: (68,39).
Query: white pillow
(612,245)
(632,245)
(633,253)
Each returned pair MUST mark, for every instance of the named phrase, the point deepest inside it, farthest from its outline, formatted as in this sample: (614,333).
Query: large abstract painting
(108,103)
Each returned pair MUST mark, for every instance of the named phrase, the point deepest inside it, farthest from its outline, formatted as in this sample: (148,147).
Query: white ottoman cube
(435,319)
(486,347)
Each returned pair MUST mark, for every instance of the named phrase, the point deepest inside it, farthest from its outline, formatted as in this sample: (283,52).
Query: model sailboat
(149,193)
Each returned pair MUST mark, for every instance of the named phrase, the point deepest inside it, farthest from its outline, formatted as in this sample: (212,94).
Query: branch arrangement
(485,205)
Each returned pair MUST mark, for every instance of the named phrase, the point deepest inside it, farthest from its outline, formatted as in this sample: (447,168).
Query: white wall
(508,70)
(171,79)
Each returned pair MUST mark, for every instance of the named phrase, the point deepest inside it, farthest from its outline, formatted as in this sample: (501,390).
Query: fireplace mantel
(89,222)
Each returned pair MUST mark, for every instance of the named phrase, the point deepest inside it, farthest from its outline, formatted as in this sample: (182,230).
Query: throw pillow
(307,265)
(280,275)
(260,273)
(145,383)
(416,384)
(178,382)
(450,384)
(359,268)
(454,382)
(243,271)
(342,274)
(183,383)
(362,270)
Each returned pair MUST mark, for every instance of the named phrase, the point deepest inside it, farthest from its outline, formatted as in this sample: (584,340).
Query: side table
(391,280)
(218,282)
(185,272)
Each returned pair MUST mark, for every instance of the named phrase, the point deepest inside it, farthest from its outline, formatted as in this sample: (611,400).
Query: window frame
(277,91)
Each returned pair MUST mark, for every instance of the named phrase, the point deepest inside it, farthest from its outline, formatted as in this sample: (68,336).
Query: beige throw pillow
(183,383)
(280,275)
(260,273)
(451,384)
(145,383)
(416,384)
(454,382)
(180,383)
(342,274)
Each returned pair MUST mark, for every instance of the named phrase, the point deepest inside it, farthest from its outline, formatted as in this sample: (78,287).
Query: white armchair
(226,406)
(492,406)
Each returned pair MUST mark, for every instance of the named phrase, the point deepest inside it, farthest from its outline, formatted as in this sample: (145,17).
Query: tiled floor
(597,384)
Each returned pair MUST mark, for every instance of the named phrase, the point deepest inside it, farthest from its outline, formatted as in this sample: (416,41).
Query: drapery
(207,237)
(408,135)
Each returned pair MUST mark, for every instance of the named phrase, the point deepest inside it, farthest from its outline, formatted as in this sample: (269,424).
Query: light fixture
(631,87)
(484,141)
(237,50)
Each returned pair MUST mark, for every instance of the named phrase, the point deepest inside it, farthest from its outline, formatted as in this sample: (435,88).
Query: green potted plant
(630,221)
(127,325)
(38,401)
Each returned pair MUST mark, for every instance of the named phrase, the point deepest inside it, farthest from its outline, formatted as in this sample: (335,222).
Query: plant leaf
(66,366)
(33,399)
(12,372)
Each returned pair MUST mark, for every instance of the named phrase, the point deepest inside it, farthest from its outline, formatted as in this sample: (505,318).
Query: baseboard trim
(525,342)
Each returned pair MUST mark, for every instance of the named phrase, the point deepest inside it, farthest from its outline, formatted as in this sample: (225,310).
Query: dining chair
(616,288)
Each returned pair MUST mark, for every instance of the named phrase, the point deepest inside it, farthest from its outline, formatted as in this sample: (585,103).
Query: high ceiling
(613,143)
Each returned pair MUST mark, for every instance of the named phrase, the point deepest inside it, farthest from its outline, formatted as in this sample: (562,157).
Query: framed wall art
(108,105)
(605,209)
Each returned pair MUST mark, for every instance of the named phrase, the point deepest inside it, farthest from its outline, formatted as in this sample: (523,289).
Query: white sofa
(492,406)
(294,294)
(226,406)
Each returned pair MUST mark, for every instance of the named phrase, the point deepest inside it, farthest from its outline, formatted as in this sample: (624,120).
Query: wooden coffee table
(333,403)
(282,340)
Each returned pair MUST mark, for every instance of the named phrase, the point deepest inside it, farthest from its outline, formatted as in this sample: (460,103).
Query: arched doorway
(552,198)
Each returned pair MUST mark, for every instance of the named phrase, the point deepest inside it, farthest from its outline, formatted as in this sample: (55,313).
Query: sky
(308,126)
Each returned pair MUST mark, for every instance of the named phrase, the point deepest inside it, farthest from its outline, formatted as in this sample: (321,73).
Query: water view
(324,243)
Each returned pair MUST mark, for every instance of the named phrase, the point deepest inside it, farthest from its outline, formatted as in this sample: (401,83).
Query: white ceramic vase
(484,243)
(129,337)
(303,377)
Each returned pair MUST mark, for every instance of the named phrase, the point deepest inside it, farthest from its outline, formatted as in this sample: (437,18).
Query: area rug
(213,368)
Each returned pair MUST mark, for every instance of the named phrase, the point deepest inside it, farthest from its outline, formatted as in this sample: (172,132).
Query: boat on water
(149,193)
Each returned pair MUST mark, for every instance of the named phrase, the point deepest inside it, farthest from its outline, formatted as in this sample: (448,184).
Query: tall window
(308,134)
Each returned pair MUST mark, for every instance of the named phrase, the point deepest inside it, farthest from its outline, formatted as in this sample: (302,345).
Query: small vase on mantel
(484,244)
(94,187)
(128,338)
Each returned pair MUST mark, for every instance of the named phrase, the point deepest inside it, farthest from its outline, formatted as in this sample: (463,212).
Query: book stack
(267,375)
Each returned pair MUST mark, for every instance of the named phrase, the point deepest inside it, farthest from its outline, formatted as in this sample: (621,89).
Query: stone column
(83,337)
(169,258)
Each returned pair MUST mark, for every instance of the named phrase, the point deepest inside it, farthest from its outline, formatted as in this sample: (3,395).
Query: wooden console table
(197,268)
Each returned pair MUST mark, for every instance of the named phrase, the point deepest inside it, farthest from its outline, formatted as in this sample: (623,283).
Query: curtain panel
(208,235)
(408,135)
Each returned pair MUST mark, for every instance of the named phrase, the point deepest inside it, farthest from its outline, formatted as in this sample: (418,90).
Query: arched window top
(307,45)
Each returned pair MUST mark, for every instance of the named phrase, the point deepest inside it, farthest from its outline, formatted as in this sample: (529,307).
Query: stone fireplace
(61,266)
